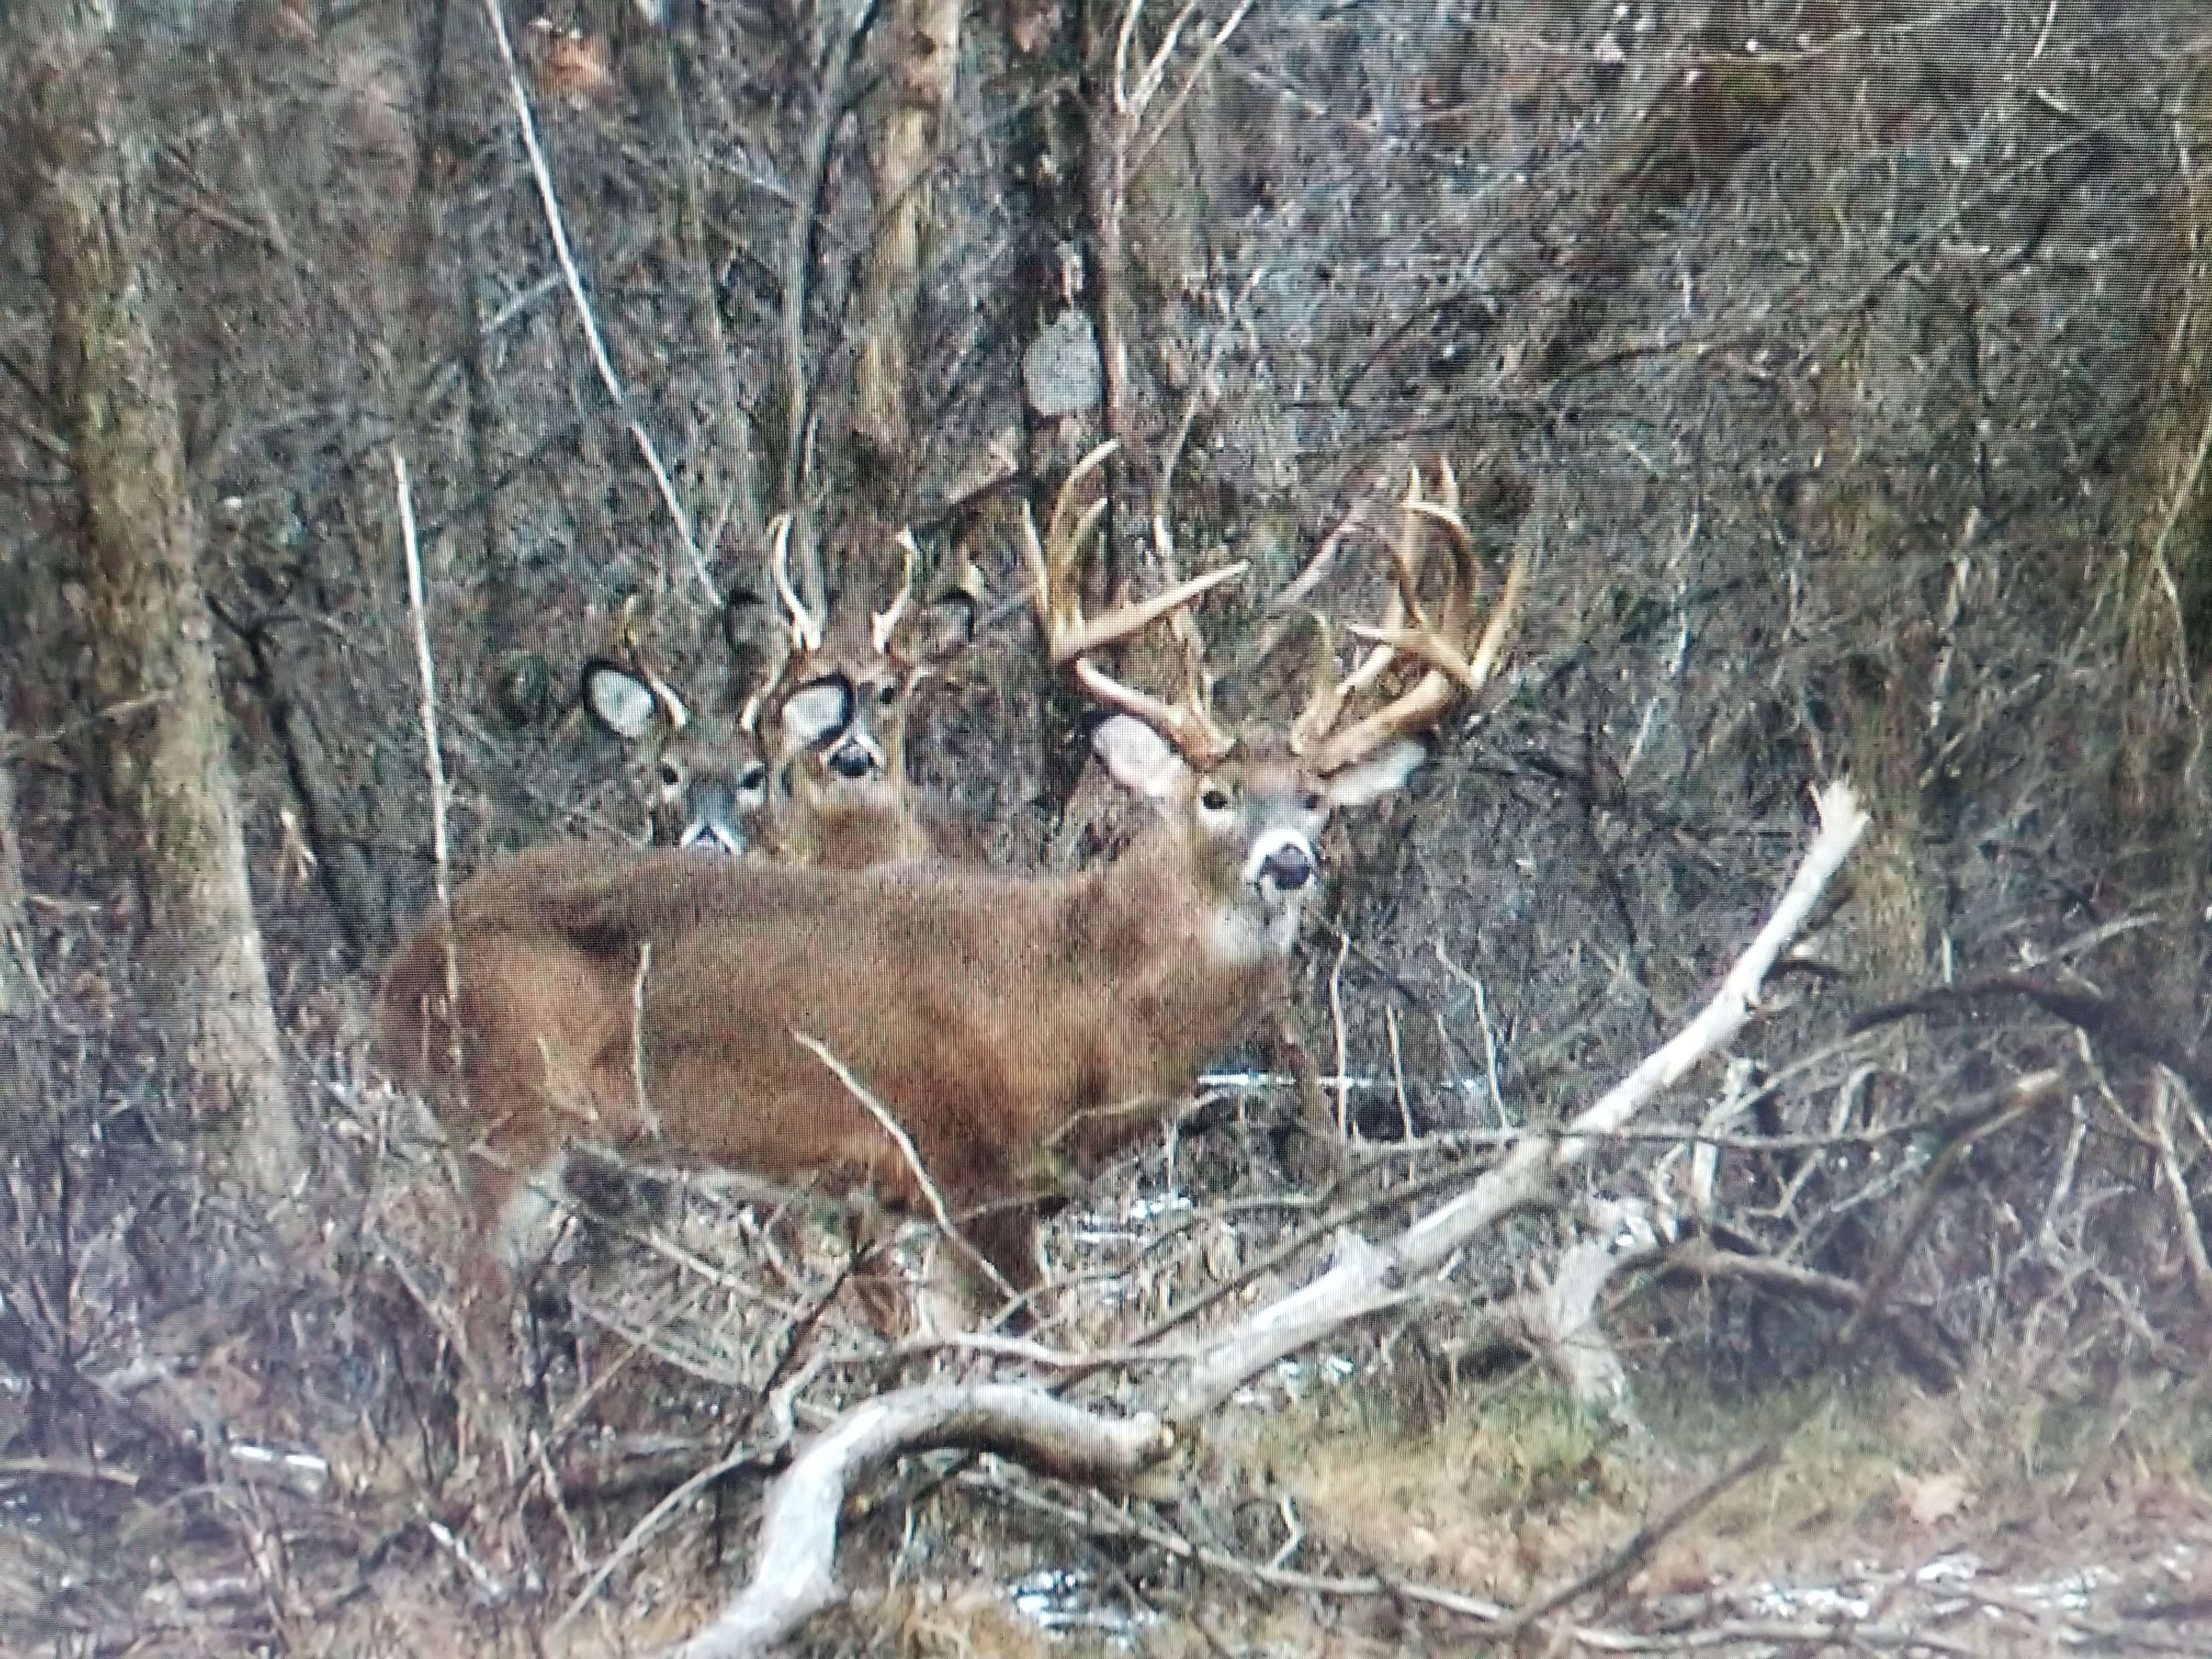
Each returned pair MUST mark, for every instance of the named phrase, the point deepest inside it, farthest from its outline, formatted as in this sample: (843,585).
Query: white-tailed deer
(837,724)
(709,776)
(731,1014)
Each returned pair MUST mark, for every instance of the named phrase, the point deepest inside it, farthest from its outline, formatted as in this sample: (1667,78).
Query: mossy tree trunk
(163,744)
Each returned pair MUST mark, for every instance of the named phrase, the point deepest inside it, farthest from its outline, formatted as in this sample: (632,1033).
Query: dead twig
(938,1208)
(427,678)
(793,1576)
(557,227)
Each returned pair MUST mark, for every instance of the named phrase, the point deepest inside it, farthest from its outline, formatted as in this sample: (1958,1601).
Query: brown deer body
(654,1003)
(666,1005)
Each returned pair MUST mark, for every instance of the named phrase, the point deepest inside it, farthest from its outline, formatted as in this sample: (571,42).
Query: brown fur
(1005,1022)
(826,817)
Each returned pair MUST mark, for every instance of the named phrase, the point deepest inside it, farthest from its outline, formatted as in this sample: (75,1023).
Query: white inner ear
(1385,769)
(621,702)
(812,713)
(1139,758)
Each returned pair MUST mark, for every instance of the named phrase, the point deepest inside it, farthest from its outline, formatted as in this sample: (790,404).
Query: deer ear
(1139,758)
(1376,775)
(618,700)
(817,712)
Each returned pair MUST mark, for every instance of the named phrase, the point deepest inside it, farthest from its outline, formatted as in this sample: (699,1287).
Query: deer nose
(851,762)
(1287,869)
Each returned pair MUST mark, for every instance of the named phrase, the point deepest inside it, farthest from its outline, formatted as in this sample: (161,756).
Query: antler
(1458,663)
(807,628)
(1055,563)
(883,624)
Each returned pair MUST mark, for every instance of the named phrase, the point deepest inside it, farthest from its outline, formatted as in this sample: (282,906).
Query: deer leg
(1318,1152)
(504,1186)
(1003,1232)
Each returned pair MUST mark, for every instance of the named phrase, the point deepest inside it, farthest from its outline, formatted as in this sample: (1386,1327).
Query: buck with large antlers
(942,1036)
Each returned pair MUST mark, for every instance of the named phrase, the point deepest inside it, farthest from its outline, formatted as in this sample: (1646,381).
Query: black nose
(1287,868)
(851,762)
(712,822)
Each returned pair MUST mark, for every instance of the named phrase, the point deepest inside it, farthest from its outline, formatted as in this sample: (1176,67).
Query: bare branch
(793,1573)
(427,677)
(891,1126)
(1360,1280)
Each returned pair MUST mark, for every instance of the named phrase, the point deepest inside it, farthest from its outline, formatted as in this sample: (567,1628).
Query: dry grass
(1512,1491)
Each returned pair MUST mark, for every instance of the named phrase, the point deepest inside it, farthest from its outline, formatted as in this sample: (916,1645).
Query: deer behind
(837,718)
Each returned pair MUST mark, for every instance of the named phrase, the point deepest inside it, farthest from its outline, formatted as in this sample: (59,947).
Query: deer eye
(1214,800)
(1310,800)
(753,777)
(887,696)
(672,774)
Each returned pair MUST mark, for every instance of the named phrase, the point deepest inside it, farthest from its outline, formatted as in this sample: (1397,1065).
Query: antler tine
(1081,638)
(1052,574)
(1055,563)
(672,706)
(1456,664)
(1066,499)
(884,624)
(805,626)
(1187,726)
(1329,696)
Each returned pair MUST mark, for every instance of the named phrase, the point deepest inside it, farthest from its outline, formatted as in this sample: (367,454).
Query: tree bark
(2161,793)
(925,49)
(163,750)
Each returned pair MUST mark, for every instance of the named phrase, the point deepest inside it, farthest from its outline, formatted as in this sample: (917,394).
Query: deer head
(837,718)
(708,776)
(1246,807)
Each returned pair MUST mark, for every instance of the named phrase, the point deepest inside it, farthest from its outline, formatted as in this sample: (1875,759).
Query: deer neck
(1147,927)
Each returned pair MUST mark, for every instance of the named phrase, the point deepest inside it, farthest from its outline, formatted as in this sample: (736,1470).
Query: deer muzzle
(713,824)
(1280,862)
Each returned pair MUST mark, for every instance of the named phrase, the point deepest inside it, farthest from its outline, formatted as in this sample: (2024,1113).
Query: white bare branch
(1362,1278)
(793,1574)
(1557,1319)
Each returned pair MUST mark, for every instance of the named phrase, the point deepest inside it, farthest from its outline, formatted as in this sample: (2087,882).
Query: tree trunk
(2160,793)
(163,749)
(925,49)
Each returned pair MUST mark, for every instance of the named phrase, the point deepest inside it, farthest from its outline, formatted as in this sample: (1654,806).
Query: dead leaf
(1930,1500)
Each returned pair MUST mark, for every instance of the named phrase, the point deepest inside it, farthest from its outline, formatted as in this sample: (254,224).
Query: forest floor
(275,1454)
